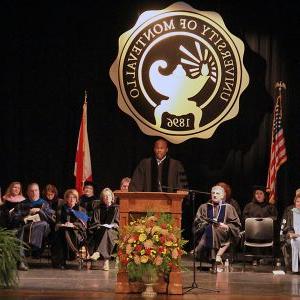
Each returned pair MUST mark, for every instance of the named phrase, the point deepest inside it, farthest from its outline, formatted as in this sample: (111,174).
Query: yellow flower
(144,259)
(168,243)
(142,237)
(156,238)
(143,252)
(155,229)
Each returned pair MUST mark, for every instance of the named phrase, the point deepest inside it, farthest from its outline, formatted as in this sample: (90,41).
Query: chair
(259,233)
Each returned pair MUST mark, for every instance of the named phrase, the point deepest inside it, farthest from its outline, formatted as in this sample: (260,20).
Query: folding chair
(259,233)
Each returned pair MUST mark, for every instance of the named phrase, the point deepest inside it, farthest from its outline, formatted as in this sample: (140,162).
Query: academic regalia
(62,248)
(291,247)
(102,239)
(255,209)
(87,203)
(210,236)
(236,205)
(9,204)
(151,177)
(33,233)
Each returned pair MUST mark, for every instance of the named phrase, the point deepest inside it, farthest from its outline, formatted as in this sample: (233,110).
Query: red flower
(162,239)
(164,226)
(148,251)
(160,249)
(138,248)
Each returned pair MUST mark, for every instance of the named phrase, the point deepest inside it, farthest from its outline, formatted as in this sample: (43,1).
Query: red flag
(278,151)
(83,167)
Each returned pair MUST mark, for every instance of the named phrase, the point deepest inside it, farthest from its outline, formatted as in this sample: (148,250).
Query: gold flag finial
(85,96)
(280,85)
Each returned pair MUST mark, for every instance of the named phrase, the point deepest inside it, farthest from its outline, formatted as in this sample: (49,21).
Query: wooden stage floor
(43,282)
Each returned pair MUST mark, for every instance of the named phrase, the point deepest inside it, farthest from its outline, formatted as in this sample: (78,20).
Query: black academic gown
(146,176)
(62,248)
(103,239)
(33,233)
(210,236)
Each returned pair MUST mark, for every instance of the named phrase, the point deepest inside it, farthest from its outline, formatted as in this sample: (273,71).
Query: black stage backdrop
(54,50)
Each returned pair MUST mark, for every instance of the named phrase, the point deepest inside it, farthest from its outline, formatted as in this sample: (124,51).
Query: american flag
(278,151)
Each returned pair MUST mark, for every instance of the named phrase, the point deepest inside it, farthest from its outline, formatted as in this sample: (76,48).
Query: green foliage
(9,256)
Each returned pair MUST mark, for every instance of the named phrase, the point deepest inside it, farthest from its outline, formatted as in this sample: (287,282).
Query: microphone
(159,186)
(183,189)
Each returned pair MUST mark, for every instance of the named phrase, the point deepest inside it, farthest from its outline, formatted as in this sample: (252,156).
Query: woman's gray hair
(109,192)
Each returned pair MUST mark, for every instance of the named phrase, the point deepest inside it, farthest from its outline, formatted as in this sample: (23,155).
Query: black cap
(89,183)
(259,188)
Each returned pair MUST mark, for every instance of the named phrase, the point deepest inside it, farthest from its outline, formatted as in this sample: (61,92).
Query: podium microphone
(183,189)
(159,186)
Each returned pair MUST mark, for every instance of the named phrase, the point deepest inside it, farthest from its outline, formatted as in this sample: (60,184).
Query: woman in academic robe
(260,207)
(291,234)
(104,227)
(70,235)
(216,226)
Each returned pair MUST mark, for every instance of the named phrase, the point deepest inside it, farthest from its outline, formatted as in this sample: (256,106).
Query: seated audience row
(64,224)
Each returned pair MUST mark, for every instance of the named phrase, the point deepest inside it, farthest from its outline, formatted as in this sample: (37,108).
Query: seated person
(125,184)
(87,198)
(11,198)
(216,225)
(32,217)
(291,234)
(259,207)
(71,224)
(104,228)
(50,194)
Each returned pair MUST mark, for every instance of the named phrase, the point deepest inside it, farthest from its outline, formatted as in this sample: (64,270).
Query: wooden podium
(156,202)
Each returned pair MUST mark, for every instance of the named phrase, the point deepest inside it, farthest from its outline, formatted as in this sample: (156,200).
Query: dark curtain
(54,50)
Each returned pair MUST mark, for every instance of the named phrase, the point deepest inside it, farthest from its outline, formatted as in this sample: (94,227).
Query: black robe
(62,248)
(103,239)
(208,234)
(287,227)
(87,204)
(146,176)
(259,210)
(32,233)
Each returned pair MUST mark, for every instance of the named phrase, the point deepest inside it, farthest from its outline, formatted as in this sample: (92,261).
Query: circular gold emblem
(179,73)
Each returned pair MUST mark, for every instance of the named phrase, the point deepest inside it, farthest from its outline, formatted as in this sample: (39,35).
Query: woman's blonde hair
(107,191)
(71,192)
(8,190)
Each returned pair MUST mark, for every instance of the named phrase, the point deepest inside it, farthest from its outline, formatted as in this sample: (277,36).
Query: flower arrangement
(150,246)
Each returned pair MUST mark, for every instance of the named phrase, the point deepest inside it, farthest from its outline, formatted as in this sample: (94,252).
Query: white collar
(159,161)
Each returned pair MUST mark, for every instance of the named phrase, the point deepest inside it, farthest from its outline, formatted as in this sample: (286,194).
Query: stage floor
(43,282)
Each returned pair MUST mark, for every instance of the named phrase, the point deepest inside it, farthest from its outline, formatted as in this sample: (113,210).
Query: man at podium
(159,173)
